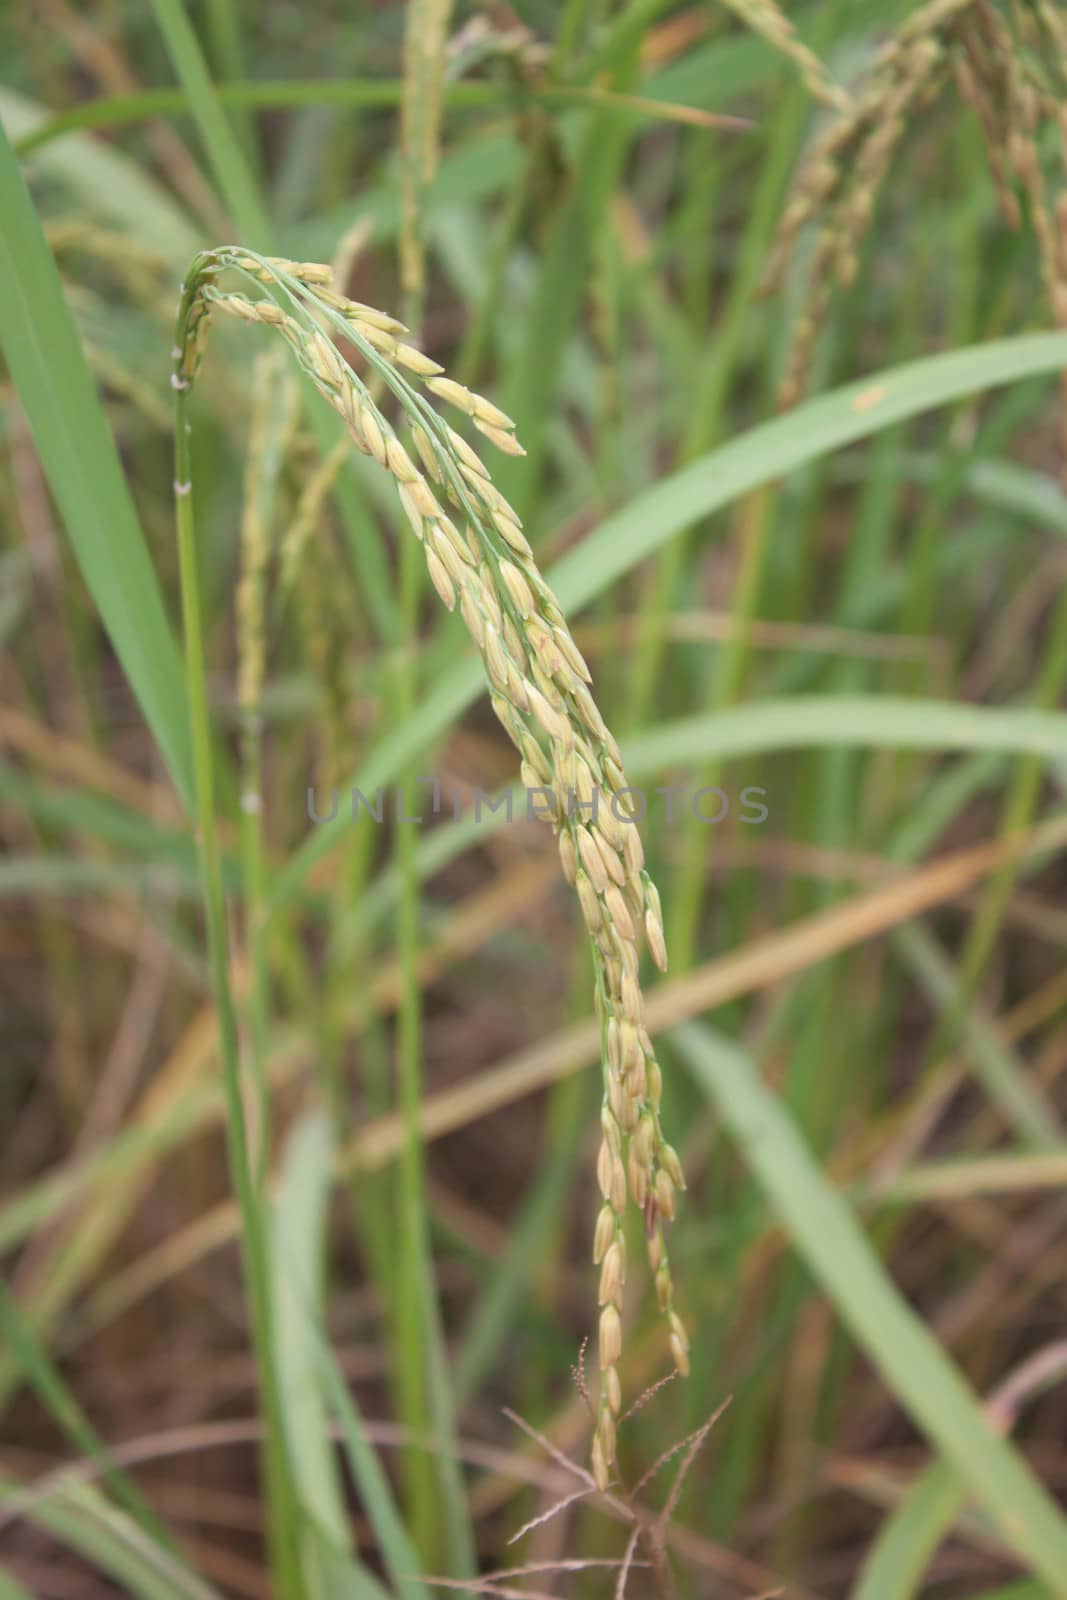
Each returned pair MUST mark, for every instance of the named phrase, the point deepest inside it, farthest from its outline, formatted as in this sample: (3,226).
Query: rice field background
(316,1115)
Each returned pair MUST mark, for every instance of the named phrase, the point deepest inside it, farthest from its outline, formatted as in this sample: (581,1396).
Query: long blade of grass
(78,1516)
(282,1507)
(558,293)
(54,1394)
(298,1240)
(804,722)
(758,965)
(1025,1107)
(105,181)
(223,149)
(73,440)
(914,1366)
(651,519)
(772,449)
(909,1538)
(397,1551)
(120,110)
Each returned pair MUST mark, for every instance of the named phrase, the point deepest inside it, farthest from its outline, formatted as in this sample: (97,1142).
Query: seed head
(468,458)
(643,1140)
(633,852)
(400,463)
(569,858)
(665,1194)
(605,1170)
(638,1178)
(440,579)
(539,691)
(612,1272)
(610,857)
(369,316)
(486,411)
(592,860)
(632,1003)
(454,393)
(547,715)
(423,497)
(604,1234)
(607,1431)
(472,616)
(379,338)
(415,361)
(517,588)
(599,1463)
(511,533)
(617,911)
(446,552)
(588,900)
(668,1160)
(411,510)
(368,424)
(637,1081)
(610,1331)
(425,452)
(503,440)
(656,942)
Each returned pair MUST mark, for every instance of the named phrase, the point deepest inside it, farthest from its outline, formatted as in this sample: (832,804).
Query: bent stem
(282,1506)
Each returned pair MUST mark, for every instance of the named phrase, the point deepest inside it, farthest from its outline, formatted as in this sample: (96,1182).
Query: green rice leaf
(915,1368)
(644,526)
(78,455)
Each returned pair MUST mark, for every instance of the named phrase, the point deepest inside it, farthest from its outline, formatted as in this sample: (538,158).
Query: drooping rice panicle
(479,560)
(767,18)
(425,40)
(1009,64)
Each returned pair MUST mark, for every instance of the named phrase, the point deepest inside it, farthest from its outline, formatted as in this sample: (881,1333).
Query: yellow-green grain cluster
(767,18)
(1009,64)
(479,560)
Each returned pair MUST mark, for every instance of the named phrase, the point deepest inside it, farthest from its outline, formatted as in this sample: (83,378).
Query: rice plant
(538,681)
(706,505)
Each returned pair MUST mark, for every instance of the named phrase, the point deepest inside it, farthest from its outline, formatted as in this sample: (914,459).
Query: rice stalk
(767,18)
(1009,65)
(307,512)
(540,691)
(275,413)
(425,35)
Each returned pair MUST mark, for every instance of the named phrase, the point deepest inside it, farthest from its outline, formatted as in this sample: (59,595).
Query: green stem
(282,1508)
(413,1264)
(440,1517)
(254,882)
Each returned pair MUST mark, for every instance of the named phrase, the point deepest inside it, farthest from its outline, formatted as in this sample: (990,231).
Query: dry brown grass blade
(554,1510)
(687,1448)
(79,763)
(666,111)
(764,962)
(466,929)
(756,966)
(818,638)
